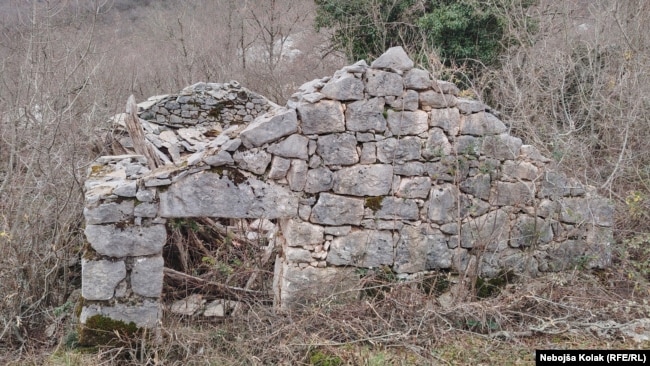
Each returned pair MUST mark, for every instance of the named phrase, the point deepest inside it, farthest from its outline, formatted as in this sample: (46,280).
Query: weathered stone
(337,210)
(146,209)
(319,180)
(366,115)
(269,127)
(294,146)
(189,305)
(417,187)
(298,234)
(368,153)
(393,208)
(513,194)
(446,87)
(417,79)
(598,211)
(407,123)
(520,170)
(338,149)
(480,124)
(100,278)
(126,189)
(297,175)
(363,248)
(469,106)
(399,150)
(255,161)
(219,159)
(531,153)
(446,118)
(408,101)
(417,251)
(431,99)
(213,195)
(501,147)
(364,180)
(279,168)
(145,315)
(297,255)
(345,87)
(556,185)
(487,232)
(395,58)
(147,276)
(382,83)
(130,241)
(478,186)
(412,168)
(323,117)
(109,212)
(437,145)
(220,308)
(231,145)
(530,231)
(300,286)
(338,230)
(468,145)
(443,204)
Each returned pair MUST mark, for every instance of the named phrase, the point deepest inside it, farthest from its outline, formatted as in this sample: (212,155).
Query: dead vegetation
(579,96)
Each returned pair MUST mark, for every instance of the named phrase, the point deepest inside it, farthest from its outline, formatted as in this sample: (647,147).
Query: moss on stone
(374,203)
(100,330)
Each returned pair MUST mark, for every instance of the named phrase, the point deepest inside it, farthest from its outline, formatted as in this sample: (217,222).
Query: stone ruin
(377,166)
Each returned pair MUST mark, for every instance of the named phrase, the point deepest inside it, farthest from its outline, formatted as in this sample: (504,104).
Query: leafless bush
(577,87)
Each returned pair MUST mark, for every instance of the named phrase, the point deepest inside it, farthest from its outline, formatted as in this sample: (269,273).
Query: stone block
(394,208)
(323,117)
(366,115)
(270,127)
(297,286)
(416,187)
(431,99)
(109,212)
(481,124)
(407,123)
(382,83)
(294,146)
(363,248)
(100,278)
(297,175)
(364,180)
(338,149)
(129,241)
(254,161)
(319,180)
(144,315)
(147,276)
(446,118)
(395,58)
(442,204)
(344,87)
(301,233)
(217,195)
(337,210)
(399,150)
(418,251)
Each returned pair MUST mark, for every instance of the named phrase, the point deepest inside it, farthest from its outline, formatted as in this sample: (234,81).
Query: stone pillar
(122,266)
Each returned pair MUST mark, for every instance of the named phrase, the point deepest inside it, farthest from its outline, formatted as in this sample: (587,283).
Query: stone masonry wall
(377,166)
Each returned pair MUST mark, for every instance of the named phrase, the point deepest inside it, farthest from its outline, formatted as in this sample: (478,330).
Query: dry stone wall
(378,165)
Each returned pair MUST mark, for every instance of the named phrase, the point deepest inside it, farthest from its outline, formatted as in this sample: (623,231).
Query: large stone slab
(213,195)
(394,208)
(100,278)
(325,116)
(480,124)
(129,241)
(364,180)
(294,146)
(363,248)
(382,83)
(337,210)
(596,210)
(270,127)
(487,232)
(255,161)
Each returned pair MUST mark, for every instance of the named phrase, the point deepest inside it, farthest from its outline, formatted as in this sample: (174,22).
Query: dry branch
(210,287)
(137,134)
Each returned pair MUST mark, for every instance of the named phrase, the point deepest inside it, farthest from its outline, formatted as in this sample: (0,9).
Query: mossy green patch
(320,358)
(235,175)
(374,203)
(102,330)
